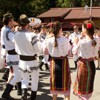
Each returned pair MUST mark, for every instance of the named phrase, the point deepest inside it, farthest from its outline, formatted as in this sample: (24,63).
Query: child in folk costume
(75,34)
(87,50)
(43,58)
(57,48)
(27,46)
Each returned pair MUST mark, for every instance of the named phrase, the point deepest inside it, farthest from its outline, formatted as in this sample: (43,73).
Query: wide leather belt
(27,58)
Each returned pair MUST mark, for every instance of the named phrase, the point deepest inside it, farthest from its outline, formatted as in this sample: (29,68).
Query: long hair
(90,27)
(56,28)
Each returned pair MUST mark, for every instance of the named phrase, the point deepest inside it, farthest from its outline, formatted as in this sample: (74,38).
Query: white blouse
(73,35)
(85,49)
(61,49)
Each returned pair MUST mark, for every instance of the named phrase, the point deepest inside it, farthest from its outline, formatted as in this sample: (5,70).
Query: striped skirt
(60,79)
(84,82)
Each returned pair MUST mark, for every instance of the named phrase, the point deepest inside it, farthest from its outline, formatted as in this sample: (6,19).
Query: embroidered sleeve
(34,40)
(37,45)
(10,35)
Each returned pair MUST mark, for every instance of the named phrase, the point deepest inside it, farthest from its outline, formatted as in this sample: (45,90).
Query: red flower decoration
(89,25)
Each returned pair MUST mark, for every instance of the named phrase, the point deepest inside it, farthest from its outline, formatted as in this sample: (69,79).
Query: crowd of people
(26,50)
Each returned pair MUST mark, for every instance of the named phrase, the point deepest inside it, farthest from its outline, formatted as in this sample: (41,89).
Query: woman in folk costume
(97,35)
(57,48)
(87,50)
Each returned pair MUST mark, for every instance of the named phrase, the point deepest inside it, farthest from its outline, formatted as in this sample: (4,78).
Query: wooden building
(71,16)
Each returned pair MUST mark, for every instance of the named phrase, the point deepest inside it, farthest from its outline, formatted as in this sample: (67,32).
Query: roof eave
(77,18)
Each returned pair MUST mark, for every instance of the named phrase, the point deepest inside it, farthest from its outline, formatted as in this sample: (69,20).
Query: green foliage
(64,3)
(30,7)
(72,3)
(35,7)
(40,6)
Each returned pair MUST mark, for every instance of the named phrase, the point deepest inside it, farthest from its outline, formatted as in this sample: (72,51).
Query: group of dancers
(24,46)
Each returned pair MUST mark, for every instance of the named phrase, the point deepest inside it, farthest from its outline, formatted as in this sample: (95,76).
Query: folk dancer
(27,46)
(12,58)
(73,35)
(87,50)
(57,48)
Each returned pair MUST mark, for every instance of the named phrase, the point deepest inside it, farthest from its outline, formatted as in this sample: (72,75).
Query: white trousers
(16,75)
(13,61)
(34,79)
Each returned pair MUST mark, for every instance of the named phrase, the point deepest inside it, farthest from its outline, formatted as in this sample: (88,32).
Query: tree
(35,7)
(52,3)
(96,2)
(64,3)
(29,7)
(76,3)
(40,6)
(16,7)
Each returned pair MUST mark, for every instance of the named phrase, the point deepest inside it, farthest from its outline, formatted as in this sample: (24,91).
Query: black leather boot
(6,93)
(75,64)
(6,74)
(33,95)
(40,65)
(24,94)
(47,67)
(19,90)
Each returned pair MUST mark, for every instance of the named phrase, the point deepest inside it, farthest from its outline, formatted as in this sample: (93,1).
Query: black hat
(23,20)
(7,17)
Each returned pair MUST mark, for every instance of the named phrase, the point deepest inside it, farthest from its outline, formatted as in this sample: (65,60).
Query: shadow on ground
(45,92)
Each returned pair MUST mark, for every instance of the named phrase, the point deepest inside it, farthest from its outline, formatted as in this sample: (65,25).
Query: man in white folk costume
(12,58)
(27,46)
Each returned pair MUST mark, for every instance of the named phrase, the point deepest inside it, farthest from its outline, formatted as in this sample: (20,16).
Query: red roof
(96,13)
(71,13)
(81,13)
(54,12)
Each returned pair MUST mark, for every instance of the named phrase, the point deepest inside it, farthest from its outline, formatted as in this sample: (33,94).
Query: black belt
(3,46)
(27,58)
(61,57)
(84,59)
(12,52)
